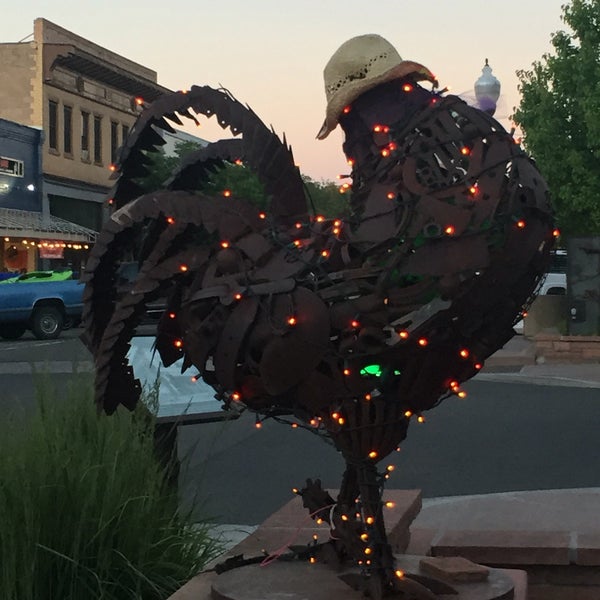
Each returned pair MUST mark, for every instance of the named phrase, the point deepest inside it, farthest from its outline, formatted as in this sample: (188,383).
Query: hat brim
(354,89)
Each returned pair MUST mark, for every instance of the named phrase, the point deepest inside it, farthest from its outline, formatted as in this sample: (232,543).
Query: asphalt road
(502,437)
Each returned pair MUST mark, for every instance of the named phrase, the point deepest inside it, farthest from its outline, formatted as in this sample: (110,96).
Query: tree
(559,115)
(162,165)
(242,182)
(326,198)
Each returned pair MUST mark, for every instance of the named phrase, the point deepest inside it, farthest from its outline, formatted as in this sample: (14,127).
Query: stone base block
(302,581)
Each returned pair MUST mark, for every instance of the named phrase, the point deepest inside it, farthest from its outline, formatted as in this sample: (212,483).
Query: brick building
(83,98)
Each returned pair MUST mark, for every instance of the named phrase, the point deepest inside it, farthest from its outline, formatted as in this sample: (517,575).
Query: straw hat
(358,65)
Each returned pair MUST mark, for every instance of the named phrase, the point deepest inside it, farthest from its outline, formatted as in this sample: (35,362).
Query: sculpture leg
(377,552)
(383,579)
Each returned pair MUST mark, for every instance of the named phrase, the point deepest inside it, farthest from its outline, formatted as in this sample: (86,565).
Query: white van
(555,283)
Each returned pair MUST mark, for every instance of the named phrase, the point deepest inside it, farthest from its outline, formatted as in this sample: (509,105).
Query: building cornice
(77,184)
(87,65)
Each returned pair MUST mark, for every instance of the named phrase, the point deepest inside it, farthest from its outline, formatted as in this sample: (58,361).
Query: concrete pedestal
(303,581)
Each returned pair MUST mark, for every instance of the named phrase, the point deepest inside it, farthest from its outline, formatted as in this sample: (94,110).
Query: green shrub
(86,511)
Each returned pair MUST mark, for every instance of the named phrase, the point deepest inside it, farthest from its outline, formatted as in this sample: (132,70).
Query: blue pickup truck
(44,306)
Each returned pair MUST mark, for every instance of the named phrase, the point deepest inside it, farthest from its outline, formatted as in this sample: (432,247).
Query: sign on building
(11,166)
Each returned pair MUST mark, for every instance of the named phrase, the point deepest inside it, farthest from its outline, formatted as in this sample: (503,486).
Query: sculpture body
(352,327)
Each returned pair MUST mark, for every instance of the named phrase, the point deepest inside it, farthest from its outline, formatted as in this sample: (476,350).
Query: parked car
(555,283)
(44,307)
(36,276)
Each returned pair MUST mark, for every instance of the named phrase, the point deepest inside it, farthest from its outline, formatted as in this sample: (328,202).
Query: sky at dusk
(270,54)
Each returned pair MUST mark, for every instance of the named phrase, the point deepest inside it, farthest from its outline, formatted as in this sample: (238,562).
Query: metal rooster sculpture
(352,327)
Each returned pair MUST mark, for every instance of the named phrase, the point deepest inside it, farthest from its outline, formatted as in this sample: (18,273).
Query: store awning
(29,224)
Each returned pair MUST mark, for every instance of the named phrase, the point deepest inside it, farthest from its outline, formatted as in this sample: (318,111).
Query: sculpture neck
(375,120)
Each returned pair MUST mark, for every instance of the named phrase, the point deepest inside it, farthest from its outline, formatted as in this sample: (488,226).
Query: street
(502,437)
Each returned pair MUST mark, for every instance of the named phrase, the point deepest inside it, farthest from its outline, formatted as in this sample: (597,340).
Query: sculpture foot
(406,587)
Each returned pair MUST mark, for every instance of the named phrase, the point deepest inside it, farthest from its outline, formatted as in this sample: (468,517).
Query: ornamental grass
(86,509)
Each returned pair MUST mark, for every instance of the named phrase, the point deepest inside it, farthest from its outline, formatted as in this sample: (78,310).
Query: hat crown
(362,57)
(359,65)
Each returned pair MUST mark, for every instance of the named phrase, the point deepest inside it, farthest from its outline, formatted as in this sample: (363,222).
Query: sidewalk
(517,362)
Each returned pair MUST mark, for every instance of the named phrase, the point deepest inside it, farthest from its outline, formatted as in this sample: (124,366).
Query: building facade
(20,190)
(84,98)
